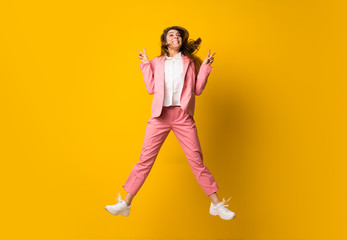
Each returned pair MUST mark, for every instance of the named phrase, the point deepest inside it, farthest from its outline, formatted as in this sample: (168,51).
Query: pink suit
(177,118)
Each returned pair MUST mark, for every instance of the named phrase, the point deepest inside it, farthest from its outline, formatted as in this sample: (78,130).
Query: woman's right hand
(143,56)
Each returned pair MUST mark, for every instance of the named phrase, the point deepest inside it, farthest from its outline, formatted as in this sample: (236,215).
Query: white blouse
(173,80)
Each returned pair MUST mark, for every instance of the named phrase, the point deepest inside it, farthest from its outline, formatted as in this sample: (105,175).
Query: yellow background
(271,120)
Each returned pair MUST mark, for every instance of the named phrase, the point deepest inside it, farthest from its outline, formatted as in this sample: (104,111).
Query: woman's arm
(203,74)
(201,79)
(148,75)
(147,68)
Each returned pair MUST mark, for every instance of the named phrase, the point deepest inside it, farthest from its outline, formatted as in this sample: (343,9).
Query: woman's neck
(173,52)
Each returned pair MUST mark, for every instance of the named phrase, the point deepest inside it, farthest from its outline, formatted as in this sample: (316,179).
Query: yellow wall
(271,120)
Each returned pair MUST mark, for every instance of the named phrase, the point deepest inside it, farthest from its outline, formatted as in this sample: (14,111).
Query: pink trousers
(158,128)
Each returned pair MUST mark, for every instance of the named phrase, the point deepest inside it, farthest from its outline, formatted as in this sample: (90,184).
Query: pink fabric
(154,74)
(158,128)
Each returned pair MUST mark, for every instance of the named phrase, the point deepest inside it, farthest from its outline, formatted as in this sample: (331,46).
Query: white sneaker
(221,210)
(120,208)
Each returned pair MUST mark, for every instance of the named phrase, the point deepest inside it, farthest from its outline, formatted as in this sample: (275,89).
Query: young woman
(174,78)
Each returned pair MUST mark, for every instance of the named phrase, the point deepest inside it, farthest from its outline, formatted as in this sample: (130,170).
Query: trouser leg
(186,132)
(156,132)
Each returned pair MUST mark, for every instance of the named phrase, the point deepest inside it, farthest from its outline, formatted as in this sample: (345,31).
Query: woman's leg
(214,198)
(156,132)
(185,130)
(128,198)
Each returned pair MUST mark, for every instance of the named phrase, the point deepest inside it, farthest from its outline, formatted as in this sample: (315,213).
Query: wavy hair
(189,46)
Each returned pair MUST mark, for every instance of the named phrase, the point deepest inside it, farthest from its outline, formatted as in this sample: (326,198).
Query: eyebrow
(173,32)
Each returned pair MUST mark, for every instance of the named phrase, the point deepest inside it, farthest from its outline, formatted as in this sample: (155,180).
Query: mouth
(175,41)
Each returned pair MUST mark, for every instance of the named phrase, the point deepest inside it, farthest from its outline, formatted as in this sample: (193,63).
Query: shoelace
(119,199)
(223,205)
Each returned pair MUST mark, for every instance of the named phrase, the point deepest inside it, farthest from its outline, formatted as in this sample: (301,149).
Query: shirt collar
(177,56)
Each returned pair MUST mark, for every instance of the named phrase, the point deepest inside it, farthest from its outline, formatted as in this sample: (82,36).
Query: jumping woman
(174,78)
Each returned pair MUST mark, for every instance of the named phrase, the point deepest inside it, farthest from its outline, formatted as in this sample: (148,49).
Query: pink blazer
(153,74)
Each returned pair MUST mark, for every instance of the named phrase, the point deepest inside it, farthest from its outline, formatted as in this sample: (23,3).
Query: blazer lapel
(186,61)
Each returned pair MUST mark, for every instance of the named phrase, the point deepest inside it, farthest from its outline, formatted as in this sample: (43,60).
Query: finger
(208,54)
(140,52)
(144,51)
(213,54)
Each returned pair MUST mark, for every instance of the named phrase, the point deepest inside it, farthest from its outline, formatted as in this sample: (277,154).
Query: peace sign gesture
(209,59)
(143,56)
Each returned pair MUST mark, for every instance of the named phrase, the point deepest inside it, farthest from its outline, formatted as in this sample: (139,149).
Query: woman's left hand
(209,59)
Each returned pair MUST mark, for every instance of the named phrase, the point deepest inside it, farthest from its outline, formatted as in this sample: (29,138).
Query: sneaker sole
(121,213)
(215,214)
(111,212)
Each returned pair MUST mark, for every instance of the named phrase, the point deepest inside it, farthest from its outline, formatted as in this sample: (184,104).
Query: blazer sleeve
(201,79)
(148,75)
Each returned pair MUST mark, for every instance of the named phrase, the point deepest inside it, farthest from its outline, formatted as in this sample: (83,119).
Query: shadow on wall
(230,126)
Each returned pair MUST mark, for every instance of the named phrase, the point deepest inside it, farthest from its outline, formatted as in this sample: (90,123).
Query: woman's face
(174,39)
